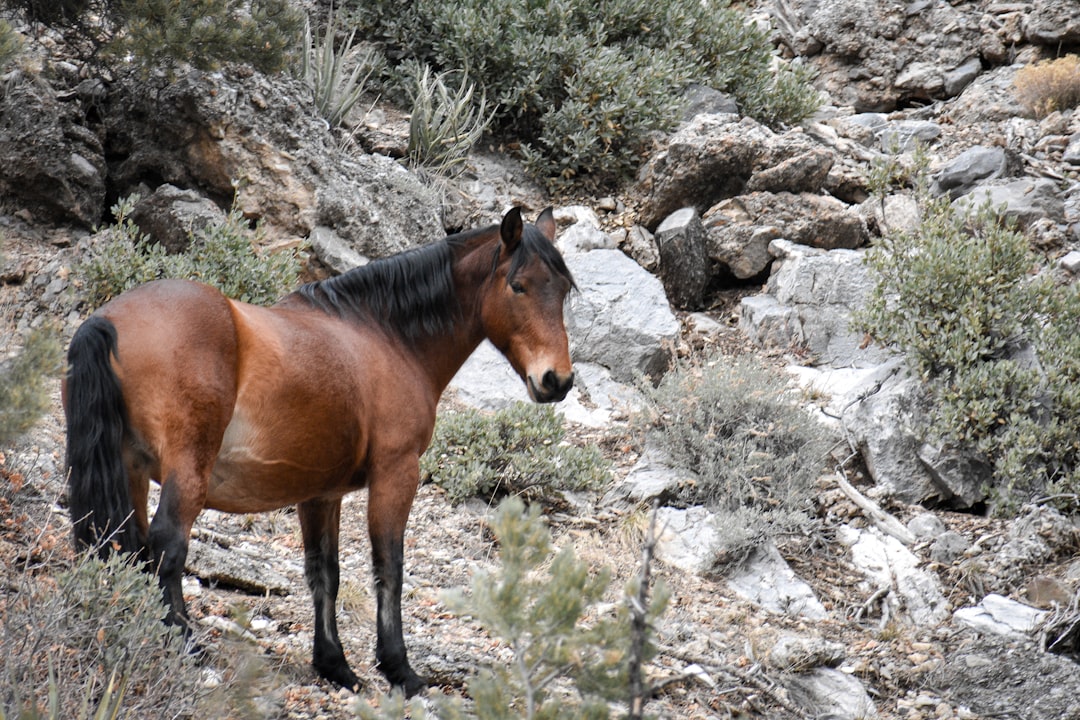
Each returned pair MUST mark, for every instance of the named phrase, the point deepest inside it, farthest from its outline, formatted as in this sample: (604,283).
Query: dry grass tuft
(1049,86)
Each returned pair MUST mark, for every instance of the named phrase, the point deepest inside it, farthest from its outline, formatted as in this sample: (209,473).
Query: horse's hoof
(412,685)
(341,675)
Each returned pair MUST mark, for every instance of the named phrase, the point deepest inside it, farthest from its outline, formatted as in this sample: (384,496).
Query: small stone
(1071,261)
(925,526)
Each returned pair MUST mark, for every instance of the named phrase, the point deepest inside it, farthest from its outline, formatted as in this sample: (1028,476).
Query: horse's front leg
(320,521)
(390,497)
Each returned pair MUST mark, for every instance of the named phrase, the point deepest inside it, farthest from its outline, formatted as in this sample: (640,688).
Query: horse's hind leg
(182,497)
(320,522)
(139,482)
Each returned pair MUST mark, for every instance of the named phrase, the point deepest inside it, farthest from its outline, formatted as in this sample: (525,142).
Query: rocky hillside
(904,601)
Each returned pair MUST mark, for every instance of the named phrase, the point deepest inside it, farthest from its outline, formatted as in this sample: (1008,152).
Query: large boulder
(808,304)
(1055,23)
(715,157)
(1025,200)
(741,228)
(684,262)
(961,174)
(170,216)
(620,318)
(711,158)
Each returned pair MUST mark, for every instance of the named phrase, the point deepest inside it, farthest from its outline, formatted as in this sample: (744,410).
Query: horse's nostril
(555,385)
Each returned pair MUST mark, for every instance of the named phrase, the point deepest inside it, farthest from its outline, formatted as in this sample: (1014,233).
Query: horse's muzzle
(552,387)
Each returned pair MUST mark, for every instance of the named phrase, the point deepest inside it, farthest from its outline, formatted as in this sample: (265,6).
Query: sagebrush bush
(1049,85)
(91,644)
(10,44)
(516,451)
(995,342)
(582,84)
(223,255)
(24,392)
(754,453)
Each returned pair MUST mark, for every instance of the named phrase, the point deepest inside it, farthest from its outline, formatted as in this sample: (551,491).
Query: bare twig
(883,520)
(639,623)
(754,680)
(870,601)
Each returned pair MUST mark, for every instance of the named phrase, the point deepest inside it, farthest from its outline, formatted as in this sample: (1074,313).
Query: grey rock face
(52,164)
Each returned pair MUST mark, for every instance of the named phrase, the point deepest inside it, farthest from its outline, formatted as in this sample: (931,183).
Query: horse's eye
(517,287)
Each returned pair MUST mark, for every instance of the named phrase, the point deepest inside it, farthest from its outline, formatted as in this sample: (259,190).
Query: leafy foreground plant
(91,644)
(222,255)
(996,344)
(754,452)
(516,451)
(562,660)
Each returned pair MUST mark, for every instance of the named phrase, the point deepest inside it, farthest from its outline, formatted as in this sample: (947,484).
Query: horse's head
(522,310)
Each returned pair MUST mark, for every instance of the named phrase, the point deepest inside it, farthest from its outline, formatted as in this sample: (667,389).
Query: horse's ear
(546,224)
(511,229)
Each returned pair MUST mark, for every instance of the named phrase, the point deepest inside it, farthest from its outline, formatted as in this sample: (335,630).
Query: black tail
(98,493)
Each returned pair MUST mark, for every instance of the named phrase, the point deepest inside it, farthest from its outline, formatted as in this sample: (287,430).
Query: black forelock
(534,243)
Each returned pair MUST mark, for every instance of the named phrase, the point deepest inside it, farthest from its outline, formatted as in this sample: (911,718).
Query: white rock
(766,579)
(915,594)
(1001,616)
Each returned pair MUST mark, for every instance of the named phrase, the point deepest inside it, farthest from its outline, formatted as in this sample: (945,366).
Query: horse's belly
(254,472)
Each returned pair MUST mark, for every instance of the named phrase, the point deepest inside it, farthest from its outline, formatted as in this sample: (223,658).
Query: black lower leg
(319,522)
(168,548)
(388,561)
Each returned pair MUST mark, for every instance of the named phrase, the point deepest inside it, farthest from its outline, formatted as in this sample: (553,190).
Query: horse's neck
(444,354)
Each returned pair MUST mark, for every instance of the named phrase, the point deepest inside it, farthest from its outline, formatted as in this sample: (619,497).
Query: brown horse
(244,409)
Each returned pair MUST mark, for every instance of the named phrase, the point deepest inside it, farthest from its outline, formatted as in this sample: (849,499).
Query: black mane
(413,292)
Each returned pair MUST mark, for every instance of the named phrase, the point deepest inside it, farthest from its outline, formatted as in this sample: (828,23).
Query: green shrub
(583,84)
(221,255)
(92,643)
(754,452)
(996,344)
(24,394)
(516,451)
(10,44)
(1049,85)
(444,124)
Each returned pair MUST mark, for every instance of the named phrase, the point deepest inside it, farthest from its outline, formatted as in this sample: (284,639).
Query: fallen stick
(883,520)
